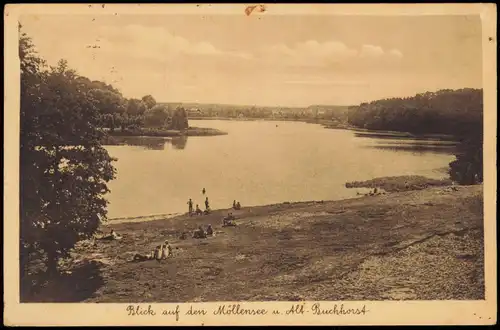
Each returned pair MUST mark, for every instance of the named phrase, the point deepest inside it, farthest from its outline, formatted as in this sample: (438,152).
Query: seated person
(157,252)
(165,252)
(143,257)
(112,235)
(238,206)
(207,211)
(115,235)
(169,249)
(199,233)
(198,210)
(228,220)
(210,231)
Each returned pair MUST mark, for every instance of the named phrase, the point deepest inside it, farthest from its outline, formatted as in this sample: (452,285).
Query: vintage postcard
(250,164)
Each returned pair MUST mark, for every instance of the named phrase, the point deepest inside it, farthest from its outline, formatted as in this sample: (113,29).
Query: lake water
(257,163)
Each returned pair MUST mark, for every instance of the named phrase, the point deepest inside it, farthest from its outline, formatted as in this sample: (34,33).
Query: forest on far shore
(455,112)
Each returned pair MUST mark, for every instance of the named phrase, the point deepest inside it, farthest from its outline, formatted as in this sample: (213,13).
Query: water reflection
(412,145)
(148,142)
(179,142)
(416,148)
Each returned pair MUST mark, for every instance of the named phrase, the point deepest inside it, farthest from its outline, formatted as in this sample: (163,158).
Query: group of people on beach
(160,252)
(201,233)
(227,221)
(164,251)
(198,211)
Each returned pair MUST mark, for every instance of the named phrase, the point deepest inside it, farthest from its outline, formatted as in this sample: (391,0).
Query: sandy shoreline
(420,245)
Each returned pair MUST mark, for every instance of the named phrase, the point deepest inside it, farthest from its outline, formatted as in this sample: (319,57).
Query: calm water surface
(257,163)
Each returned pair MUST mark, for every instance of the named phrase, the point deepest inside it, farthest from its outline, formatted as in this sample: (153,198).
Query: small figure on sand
(169,249)
(199,233)
(228,220)
(190,204)
(142,257)
(236,205)
(158,252)
(207,205)
(166,250)
(112,236)
(210,231)
(203,191)
(198,210)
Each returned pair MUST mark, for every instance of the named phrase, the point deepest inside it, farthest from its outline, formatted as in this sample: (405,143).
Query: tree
(157,116)
(467,169)
(179,119)
(149,101)
(136,107)
(107,101)
(64,169)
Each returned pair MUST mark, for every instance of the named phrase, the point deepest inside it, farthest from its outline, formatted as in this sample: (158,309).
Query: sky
(268,60)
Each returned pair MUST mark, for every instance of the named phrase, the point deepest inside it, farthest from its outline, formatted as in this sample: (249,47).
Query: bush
(467,169)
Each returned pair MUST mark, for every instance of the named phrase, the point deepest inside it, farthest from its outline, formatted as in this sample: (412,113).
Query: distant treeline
(320,112)
(454,112)
(117,111)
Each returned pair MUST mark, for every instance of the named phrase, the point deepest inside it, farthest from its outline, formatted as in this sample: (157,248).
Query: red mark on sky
(257,8)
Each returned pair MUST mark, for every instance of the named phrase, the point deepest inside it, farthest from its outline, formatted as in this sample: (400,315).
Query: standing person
(190,203)
(207,205)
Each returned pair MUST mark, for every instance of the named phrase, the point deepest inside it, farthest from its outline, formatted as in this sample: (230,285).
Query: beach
(422,244)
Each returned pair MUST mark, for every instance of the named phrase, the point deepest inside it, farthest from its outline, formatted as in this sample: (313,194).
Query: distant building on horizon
(194,112)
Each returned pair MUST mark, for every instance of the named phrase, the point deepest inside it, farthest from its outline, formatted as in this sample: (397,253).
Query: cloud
(315,53)
(396,53)
(156,43)
(371,51)
(310,53)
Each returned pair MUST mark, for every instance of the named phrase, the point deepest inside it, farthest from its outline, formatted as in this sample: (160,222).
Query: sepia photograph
(250,156)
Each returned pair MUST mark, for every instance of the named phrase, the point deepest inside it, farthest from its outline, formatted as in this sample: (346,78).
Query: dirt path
(425,244)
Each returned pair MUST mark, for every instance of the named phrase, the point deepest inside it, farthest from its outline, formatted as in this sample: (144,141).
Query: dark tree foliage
(179,119)
(467,169)
(136,107)
(443,112)
(454,112)
(157,116)
(149,101)
(64,169)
